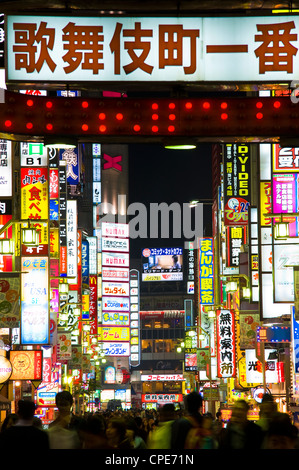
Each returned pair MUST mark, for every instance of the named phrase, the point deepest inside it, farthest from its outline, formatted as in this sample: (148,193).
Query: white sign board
(41,48)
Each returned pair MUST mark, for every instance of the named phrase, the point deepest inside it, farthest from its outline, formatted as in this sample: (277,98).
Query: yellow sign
(114,333)
(266,203)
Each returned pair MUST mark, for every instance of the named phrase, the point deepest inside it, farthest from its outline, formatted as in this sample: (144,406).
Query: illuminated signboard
(71,240)
(226,360)
(116,288)
(285,199)
(285,159)
(134,317)
(10,301)
(162,397)
(116,349)
(34,193)
(172,49)
(72,165)
(116,318)
(113,274)
(115,259)
(236,184)
(254,372)
(33,154)
(26,365)
(162,264)
(235,238)
(35,301)
(162,378)
(115,244)
(5,168)
(114,333)
(274,334)
(206,271)
(119,304)
(115,230)
(284,257)
(5,369)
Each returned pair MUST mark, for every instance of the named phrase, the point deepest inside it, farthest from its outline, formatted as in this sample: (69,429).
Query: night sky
(160,175)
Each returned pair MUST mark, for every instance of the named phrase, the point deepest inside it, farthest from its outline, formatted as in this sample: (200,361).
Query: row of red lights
(155,106)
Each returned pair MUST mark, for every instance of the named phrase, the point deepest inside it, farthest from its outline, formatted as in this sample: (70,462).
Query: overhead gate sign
(41,48)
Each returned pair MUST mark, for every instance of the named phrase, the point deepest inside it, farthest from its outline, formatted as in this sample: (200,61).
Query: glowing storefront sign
(34,193)
(116,288)
(115,259)
(5,369)
(71,240)
(112,333)
(116,349)
(35,301)
(115,230)
(115,244)
(120,304)
(26,365)
(162,378)
(236,184)
(285,159)
(172,49)
(116,318)
(5,168)
(206,271)
(113,274)
(254,372)
(33,154)
(226,360)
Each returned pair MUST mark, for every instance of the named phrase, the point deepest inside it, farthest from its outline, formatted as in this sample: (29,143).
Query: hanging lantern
(7,246)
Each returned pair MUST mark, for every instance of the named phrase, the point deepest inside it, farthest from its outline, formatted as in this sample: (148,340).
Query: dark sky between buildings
(159,175)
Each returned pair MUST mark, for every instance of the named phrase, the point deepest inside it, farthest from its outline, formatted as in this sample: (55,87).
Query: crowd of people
(165,428)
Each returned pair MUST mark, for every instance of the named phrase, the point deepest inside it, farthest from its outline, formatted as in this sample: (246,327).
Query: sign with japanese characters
(236,184)
(254,371)
(71,239)
(115,288)
(116,349)
(206,271)
(5,168)
(162,397)
(285,199)
(114,333)
(35,318)
(115,244)
(285,159)
(162,378)
(162,264)
(118,304)
(116,318)
(33,154)
(113,274)
(226,351)
(238,49)
(34,193)
(235,238)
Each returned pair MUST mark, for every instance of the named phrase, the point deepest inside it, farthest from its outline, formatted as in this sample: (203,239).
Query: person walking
(64,431)
(241,433)
(24,435)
